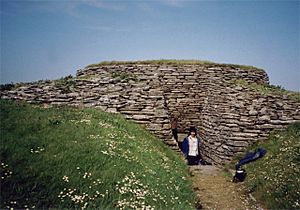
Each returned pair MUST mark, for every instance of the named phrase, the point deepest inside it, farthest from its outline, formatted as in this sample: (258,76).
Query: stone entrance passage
(211,97)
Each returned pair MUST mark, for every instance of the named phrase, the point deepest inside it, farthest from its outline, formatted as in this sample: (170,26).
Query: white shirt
(193,146)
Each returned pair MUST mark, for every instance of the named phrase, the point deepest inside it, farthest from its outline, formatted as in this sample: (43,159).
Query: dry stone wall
(236,117)
(229,117)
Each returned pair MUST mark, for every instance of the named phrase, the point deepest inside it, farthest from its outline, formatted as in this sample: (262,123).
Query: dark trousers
(175,134)
(193,160)
(251,156)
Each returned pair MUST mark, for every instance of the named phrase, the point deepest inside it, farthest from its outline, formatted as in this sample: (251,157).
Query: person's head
(193,131)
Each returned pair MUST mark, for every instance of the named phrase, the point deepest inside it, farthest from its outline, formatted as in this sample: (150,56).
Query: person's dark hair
(192,129)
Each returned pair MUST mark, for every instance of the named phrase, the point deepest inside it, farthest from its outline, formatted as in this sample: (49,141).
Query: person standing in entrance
(174,122)
(191,147)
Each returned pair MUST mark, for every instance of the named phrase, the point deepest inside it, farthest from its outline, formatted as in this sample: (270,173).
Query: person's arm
(199,147)
(199,142)
(185,147)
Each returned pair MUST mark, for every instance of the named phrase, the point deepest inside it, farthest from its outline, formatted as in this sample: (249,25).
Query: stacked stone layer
(229,117)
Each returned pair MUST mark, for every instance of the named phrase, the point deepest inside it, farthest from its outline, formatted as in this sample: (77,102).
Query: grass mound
(85,158)
(173,62)
(275,180)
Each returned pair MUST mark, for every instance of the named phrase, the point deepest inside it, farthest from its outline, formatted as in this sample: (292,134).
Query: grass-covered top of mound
(275,179)
(85,158)
(265,89)
(173,62)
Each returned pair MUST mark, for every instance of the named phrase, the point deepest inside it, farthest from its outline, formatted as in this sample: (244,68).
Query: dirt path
(215,191)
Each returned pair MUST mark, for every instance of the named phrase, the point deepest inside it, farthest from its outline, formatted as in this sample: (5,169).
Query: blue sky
(52,39)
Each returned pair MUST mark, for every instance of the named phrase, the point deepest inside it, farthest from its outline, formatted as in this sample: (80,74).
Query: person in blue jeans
(191,147)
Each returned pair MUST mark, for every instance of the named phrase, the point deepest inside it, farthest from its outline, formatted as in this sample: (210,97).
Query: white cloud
(73,7)
(99,28)
(106,29)
(70,7)
(174,3)
(104,4)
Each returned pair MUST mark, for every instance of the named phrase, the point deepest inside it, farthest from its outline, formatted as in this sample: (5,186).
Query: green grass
(124,76)
(85,158)
(88,77)
(266,89)
(173,62)
(275,179)
(66,84)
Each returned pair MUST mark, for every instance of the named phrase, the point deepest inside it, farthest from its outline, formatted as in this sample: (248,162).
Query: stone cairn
(229,117)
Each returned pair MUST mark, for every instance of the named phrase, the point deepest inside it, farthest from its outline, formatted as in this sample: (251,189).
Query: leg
(175,134)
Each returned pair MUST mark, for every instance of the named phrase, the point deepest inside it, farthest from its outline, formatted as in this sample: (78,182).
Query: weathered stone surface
(264,118)
(112,110)
(141,117)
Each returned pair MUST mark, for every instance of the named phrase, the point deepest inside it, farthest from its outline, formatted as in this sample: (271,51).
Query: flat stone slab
(205,170)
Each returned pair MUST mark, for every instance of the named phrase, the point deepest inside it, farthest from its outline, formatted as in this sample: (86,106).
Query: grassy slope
(71,158)
(275,179)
